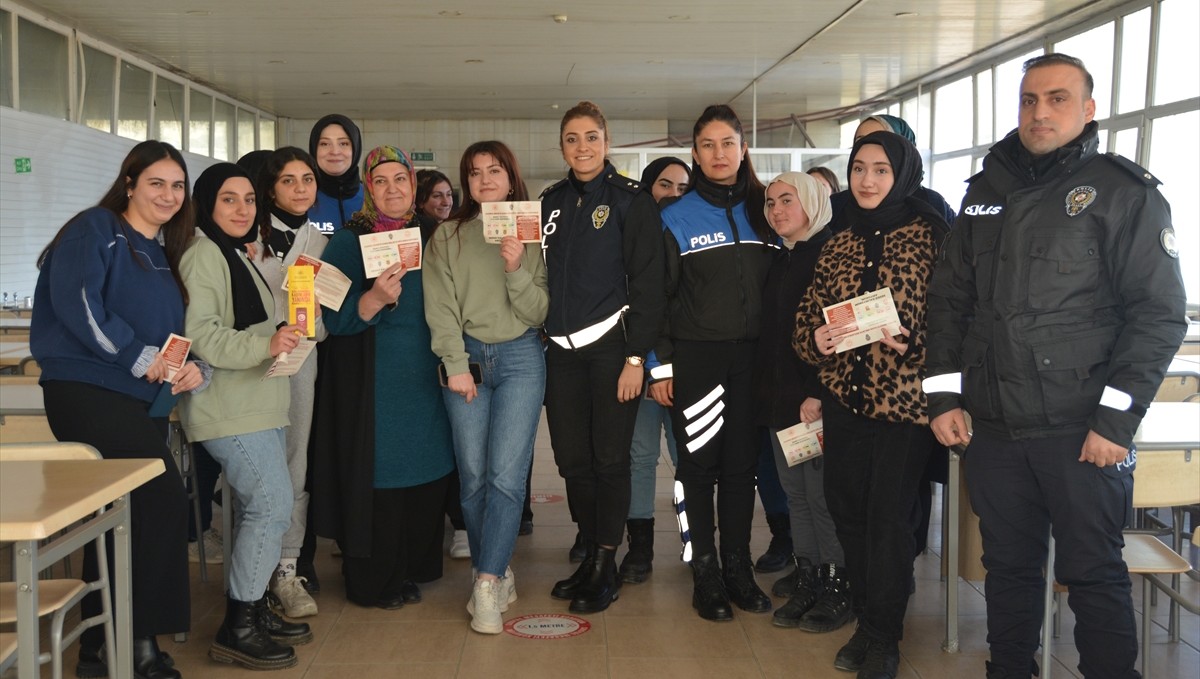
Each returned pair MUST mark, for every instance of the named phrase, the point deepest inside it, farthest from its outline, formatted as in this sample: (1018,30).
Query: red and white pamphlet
(381,250)
(175,353)
(520,218)
(874,313)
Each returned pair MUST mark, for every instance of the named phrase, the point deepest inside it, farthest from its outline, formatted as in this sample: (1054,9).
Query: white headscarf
(813,198)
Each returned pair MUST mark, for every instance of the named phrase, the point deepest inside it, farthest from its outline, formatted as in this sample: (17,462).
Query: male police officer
(1053,315)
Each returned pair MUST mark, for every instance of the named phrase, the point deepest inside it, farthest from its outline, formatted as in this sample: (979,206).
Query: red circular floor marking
(547,626)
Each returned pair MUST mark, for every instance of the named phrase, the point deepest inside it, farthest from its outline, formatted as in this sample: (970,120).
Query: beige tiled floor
(651,631)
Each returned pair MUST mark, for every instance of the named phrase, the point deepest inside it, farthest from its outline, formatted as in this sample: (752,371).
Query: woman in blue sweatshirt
(109,294)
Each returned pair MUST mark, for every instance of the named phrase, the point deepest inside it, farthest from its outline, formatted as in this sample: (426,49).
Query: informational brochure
(874,313)
(381,250)
(332,284)
(520,218)
(302,299)
(290,362)
(802,442)
(175,353)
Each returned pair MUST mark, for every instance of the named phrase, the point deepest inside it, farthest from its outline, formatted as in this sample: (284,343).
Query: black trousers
(407,531)
(872,469)
(1023,490)
(591,432)
(119,427)
(713,419)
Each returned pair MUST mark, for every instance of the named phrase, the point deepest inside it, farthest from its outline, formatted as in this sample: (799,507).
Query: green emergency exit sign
(23,165)
(422,156)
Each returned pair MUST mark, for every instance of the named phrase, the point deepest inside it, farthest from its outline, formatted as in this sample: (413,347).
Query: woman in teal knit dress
(381,438)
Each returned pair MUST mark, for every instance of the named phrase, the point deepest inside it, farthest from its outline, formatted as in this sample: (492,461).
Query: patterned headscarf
(813,199)
(369,212)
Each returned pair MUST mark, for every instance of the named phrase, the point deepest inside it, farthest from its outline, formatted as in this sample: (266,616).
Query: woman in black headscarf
(241,416)
(876,429)
(336,144)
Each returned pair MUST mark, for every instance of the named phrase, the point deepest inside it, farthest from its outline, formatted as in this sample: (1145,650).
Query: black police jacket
(604,250)
(1058,299)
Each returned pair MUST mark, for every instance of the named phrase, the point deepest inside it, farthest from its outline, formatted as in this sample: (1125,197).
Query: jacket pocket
(1064,272)
(984,245)
(1072,374)
(978,389)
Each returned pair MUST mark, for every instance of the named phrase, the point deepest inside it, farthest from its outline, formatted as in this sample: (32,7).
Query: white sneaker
(460,548)
(485,608)
(296,601)
(214,549)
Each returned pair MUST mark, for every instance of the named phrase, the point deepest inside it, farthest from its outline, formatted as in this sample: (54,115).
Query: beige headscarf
(813,199)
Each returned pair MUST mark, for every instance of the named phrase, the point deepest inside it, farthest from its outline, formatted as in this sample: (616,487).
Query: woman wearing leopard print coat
(877,436)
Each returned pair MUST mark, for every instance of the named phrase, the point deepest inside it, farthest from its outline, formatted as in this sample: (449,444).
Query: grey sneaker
(214,550)
(295,600)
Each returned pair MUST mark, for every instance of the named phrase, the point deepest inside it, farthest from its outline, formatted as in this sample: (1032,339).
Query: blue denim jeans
(652,419)
(493,444)
(256,470)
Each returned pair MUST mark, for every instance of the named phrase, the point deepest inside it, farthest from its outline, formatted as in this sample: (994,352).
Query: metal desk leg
(25,572)
(123,601)
(951,551)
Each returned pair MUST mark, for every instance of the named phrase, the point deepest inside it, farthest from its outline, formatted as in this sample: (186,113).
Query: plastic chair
(56,597)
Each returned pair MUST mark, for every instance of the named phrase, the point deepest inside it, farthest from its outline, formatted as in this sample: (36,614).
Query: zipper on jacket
(737,258)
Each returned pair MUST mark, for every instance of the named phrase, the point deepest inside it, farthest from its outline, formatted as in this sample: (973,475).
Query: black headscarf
(346,184)
(247,305)
(899,206)
(253,163)
(656,167)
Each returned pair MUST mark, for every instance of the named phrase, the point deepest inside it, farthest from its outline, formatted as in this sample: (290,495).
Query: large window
(199,123)
(133,118)
(168,111)
(42,59)
(98,73)
(1177,171)
(1178,52)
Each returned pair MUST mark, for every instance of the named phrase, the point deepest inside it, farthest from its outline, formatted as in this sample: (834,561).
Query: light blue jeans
(643,456)
(493,444)
(256,470)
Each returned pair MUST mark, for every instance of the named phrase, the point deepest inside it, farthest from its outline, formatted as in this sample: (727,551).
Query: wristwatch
(635,361)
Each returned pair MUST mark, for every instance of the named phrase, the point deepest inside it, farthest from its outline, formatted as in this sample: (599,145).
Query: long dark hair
(470,207)
(756,193)
(177,232)
(427,179)
(264,186)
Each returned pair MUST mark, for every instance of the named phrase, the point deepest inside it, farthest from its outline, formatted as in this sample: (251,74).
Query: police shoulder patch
(1079,198)
(1167,239)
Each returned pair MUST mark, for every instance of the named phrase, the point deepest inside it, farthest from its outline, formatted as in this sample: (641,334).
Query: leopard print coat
(873,380)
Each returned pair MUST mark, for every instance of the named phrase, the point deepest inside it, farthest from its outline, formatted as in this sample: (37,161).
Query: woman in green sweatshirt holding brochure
(484,302)
(241,417)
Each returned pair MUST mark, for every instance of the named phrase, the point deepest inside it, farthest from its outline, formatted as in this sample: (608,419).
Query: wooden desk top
(38,499)
(21,399)
(1169,426)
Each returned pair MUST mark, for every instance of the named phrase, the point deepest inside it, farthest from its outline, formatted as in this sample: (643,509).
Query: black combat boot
(565,589)
(282,631)
(803,597)
(785,586)
(882,660)
(833,609)
(637,564)
(738,575)
(779,552)
(240,639)
(599,589)
(579,550)
(708,591)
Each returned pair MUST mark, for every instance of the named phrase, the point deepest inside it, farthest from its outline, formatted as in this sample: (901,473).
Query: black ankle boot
(637,564)
(804,595)
(282,631)
(599,590)
(738,575)
(565,589)
(786,586)
(708,592)
(148,661)
(241,640)
(832,610)
(779,552)
(92,663)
